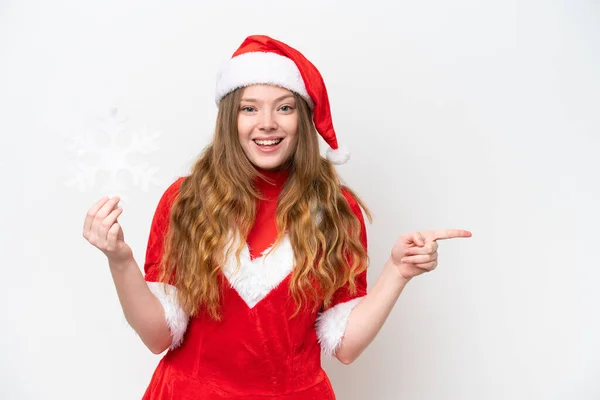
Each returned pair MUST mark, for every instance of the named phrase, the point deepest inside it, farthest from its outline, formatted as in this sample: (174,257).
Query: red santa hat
(264,60)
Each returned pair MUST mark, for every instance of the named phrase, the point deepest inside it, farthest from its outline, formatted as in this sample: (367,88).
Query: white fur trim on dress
(331,325)
(177,319)
(339,156)
(260,68)
(254,279)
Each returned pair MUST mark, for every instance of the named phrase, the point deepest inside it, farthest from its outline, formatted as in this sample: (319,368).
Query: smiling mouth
(270,142)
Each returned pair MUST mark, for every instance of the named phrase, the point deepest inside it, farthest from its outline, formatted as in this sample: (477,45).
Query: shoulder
(172,190)
(169,195)
(349,196)
(356,207)
(352,202)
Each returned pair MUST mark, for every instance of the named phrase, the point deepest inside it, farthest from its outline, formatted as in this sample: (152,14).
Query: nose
(268,122)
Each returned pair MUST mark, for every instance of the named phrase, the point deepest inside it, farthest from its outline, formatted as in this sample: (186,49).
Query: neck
(270,173)
(270,181)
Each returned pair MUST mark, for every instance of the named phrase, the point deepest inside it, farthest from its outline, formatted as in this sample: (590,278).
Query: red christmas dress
(256,351)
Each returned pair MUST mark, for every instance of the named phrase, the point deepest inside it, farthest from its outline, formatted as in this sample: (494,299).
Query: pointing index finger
(450,234)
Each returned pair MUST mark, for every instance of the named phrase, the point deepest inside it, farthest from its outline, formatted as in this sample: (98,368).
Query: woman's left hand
(416,253)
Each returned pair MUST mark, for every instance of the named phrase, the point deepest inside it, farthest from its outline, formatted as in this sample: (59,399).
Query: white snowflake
(113,158)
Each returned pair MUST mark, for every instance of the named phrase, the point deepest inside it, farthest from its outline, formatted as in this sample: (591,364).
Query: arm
(149,306)
(412,255)
(369,315)
(353,320)
(142,309)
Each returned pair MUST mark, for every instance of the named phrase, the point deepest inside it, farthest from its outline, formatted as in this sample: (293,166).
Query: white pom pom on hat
(339,156)
(264,60)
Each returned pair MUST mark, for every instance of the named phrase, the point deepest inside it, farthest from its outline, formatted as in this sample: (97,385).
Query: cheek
(292,129)
(244,128)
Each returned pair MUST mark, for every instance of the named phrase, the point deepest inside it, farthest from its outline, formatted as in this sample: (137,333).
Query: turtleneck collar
(271,182)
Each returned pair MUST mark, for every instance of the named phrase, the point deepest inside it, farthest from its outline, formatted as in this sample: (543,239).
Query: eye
(247,109)
(286,108)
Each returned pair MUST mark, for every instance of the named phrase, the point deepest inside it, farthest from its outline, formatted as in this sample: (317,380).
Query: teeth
(267,142)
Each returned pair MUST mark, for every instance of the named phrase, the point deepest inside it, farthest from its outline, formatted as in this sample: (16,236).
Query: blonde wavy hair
(219,196)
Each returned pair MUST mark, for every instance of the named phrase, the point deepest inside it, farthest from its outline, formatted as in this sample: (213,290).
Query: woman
(256,261)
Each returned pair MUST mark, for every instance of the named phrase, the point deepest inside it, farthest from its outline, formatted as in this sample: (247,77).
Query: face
(267,125)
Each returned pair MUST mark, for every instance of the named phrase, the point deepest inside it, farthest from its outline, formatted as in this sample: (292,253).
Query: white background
(480,115)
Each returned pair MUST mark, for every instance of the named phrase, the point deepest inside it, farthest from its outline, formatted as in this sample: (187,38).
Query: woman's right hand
(103,231)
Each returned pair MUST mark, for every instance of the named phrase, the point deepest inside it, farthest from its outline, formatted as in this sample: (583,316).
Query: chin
(268,164)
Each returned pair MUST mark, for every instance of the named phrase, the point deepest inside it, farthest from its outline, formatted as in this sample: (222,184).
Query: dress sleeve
(166,293)
(331,323)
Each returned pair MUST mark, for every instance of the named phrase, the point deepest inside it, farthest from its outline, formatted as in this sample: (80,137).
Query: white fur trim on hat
(260,68)
(331,325)
(338,156)
(177,319)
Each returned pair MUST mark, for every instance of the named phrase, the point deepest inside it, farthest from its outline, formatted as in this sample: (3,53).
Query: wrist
(393,272)
(121,265)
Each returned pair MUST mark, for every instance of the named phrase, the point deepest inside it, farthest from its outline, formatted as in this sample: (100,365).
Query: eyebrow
(250,100)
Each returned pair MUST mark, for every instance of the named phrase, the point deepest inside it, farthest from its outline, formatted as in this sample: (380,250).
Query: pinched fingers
(103,215)
(91,214)
(106,225)
(114,234)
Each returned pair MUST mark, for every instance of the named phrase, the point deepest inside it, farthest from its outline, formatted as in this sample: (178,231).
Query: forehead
(265,92)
